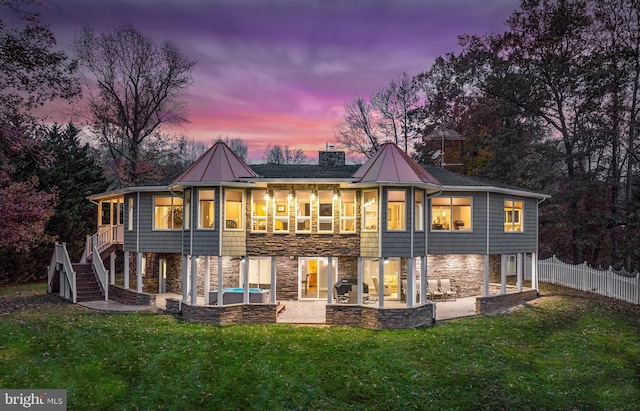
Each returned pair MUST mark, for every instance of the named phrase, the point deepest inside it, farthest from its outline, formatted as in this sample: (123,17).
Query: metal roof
(218,164)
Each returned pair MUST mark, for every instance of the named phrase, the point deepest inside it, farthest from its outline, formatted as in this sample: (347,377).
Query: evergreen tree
(74,173)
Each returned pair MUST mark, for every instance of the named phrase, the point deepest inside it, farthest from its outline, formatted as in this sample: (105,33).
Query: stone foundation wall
(173,305)
(130,297)
(230,314)
(491,304)
(380,318)
(466,272)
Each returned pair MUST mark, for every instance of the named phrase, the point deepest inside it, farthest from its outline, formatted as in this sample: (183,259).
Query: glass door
(313,277)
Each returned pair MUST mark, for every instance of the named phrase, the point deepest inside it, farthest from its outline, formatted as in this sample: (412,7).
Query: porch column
(534,271)
(185,278)
(220,281)
(503,274)
(194,280)
(485,279)
(381,282)
(112,268)
(423,279)
(519,267)
(244,263)
(207,279)
(360,279)
(272,294)
(411,281)
(139,272)
(126,270)
(330,280)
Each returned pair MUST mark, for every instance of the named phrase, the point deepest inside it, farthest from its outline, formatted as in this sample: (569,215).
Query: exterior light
(385,260)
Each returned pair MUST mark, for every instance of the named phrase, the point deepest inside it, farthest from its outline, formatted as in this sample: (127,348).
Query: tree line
(551,104)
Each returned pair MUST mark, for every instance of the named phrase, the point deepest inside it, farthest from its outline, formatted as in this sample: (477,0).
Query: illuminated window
(206,214)
(419,210)
(512,216)
(303,211)
(451,214)
(259,210)
(187,209)
(233,210)
(396,210)
(167,213)
(325,211)
(370,214)
(281,211)
(348,211)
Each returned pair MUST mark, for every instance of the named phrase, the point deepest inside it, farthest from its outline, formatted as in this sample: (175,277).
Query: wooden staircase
(87,286)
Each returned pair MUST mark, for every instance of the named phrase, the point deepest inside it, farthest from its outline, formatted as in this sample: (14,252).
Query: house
(226,234)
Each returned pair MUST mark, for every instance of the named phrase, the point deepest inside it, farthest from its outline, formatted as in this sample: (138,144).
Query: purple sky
(279,72)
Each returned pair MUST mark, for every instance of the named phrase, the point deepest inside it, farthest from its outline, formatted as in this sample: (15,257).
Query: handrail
(105,237)
(101,272)
(61,260)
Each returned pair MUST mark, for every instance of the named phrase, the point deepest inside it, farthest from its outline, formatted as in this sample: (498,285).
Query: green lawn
(567,351)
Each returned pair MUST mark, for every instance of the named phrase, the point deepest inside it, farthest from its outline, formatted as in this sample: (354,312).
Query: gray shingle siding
(461,242)
(501,242)
(159,241)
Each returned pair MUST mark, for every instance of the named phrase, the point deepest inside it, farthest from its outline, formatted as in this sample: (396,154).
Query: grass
(563,352)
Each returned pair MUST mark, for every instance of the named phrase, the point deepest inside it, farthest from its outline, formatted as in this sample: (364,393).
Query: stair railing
(103,239)
(60,261)
(100,271)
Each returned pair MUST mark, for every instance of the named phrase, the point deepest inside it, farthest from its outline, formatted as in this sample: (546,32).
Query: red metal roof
(392,165)
(218,164)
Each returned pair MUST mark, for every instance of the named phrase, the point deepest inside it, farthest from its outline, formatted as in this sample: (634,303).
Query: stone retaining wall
(380,318)
(229,314)
(491,304)
(130,297)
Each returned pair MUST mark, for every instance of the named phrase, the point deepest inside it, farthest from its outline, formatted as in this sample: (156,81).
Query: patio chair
(372,297)
(340,298)
(433,290)
(448,290)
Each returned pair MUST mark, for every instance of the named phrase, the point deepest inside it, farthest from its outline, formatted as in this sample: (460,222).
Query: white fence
(615,284)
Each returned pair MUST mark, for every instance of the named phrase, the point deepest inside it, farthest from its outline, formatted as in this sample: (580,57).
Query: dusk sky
(279,72)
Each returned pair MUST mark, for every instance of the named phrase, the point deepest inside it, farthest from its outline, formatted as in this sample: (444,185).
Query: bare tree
(395,104)
(134,87)
(358,131)
(237,146)
(278,155)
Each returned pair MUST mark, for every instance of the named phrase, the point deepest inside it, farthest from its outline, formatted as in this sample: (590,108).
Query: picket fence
(621,285)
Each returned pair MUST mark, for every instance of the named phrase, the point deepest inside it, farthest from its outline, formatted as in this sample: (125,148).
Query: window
(206,213)
(233,210)
(511,265)
(259,210)
(187,209)
(419,210)
(348,211)
(130,216)
(370,206)
(105,213)
(512,216)
(325,211)
(396,210)
(303,211)
(167,213)
(281,211)
(451,214)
